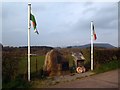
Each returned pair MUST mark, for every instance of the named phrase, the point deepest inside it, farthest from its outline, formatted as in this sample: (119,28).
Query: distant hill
(98,45)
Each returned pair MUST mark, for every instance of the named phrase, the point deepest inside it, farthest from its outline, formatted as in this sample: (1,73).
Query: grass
(107,66)
(23,64)
(40,63)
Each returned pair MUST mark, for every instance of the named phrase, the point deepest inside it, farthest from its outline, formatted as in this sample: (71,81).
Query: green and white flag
(32,18)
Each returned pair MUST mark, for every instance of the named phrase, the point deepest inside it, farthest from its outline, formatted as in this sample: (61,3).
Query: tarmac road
(104,80)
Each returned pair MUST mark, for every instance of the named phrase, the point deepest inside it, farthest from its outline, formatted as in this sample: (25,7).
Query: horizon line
(62,46)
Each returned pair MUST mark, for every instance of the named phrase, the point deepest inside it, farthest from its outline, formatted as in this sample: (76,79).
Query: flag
(94,34)
(32,18)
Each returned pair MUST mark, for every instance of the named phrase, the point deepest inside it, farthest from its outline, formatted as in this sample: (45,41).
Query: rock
(53,62)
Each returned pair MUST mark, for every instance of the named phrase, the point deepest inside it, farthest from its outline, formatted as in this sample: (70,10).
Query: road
(103,80)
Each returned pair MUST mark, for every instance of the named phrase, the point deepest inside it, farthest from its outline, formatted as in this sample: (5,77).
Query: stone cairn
(53,63)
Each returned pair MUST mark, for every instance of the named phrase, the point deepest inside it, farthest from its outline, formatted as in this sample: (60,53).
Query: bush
(86,54)
(107,66)
(101,56)
(72,69)
(9,67)
(17,83)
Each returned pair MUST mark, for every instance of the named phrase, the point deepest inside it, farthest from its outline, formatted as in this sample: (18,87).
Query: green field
(23,64)
(40,63)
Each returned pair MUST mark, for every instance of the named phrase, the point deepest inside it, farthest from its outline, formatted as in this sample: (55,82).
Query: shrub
(101,56)
(9,67)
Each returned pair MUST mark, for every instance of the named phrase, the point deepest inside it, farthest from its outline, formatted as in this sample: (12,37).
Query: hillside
(98,45)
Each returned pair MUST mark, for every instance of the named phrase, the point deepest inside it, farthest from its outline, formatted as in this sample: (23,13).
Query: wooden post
(36,66)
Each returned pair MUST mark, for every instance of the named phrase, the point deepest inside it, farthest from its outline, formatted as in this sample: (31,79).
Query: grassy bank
(107,66)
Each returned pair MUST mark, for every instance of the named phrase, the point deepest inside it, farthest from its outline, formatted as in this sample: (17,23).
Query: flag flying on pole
(94,34)
(32,18)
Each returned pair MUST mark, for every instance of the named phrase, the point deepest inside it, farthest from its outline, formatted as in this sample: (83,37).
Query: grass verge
(107,66)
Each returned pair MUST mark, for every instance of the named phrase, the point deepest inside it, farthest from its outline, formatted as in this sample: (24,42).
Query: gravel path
(50,81)
(67,78)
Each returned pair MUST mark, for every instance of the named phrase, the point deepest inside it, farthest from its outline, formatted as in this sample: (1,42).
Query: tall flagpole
(29,25)
(91,45)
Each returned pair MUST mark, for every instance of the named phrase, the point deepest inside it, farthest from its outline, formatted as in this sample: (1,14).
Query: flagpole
(29,25)
(91,45)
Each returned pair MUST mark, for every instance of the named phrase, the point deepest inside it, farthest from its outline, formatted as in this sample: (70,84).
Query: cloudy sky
(60,23)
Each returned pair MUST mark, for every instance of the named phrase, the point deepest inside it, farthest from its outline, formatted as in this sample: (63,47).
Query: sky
(59,23)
